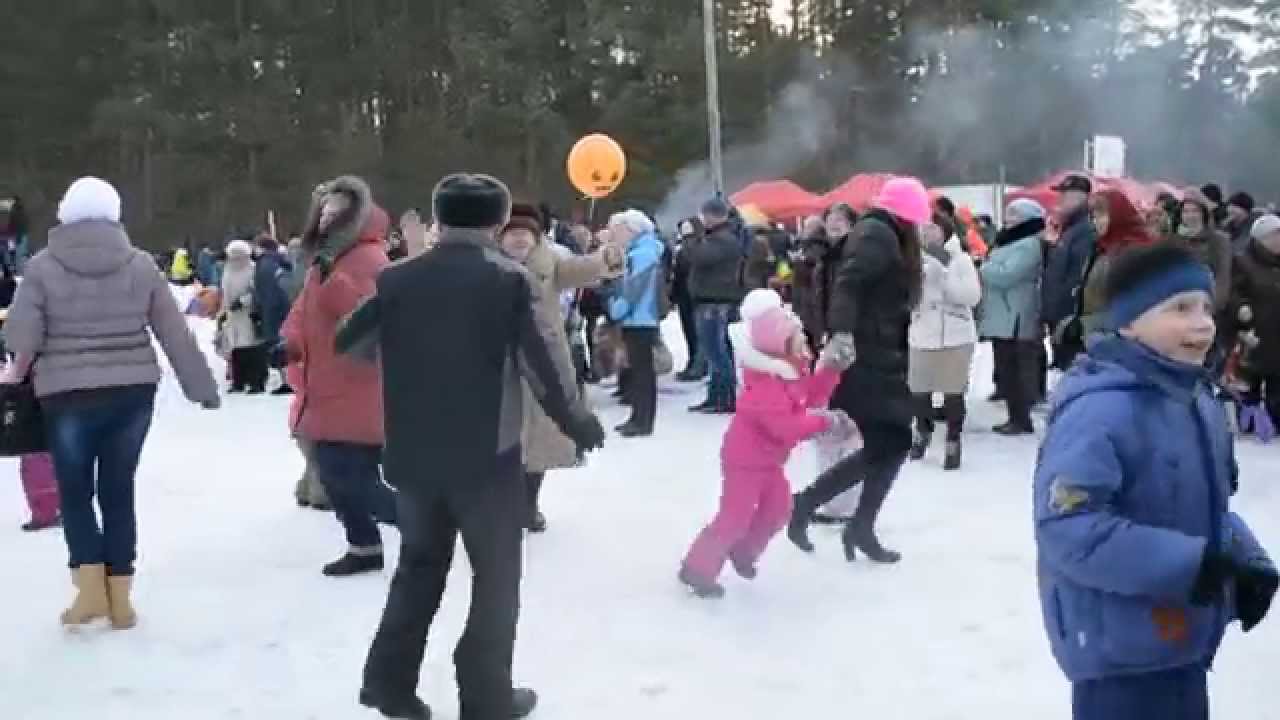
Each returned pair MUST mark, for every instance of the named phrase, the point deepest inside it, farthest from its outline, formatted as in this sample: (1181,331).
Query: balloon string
(591,213)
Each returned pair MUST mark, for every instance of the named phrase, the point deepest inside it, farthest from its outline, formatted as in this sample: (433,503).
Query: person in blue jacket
(1141,563)
(634,305)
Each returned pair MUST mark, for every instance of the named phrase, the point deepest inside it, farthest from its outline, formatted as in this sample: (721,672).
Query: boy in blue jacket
(1141,563)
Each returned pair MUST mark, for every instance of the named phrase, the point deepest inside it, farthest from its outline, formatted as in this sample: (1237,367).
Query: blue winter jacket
(270,298)
(635,301)
(1132,482)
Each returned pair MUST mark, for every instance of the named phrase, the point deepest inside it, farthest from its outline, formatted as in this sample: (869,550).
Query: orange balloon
(597,165)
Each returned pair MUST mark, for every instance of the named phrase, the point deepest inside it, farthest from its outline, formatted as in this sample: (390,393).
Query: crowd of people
(859,332)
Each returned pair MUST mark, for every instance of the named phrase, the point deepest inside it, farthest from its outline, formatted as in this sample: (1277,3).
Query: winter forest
(207,115)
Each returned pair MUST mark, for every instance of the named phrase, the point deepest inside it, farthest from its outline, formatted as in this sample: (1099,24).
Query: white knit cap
(239,248)
(1265,225)
(759,301)
(89,198)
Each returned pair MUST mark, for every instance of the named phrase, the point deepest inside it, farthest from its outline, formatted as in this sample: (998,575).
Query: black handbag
(21,421)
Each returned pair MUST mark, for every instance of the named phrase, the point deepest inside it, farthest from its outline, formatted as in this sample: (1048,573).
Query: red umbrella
(858,192)
(779,199)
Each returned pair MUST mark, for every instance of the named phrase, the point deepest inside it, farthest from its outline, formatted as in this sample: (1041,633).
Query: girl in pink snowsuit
(40,485)
(780,405)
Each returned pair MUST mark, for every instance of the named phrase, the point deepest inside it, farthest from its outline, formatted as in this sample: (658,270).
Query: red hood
(1127,227)
(376,226)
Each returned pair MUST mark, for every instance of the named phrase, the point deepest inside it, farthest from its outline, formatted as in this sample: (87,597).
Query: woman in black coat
(876,286)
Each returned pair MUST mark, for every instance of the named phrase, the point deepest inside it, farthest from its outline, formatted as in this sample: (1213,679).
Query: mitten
(585,430)
(1255,589)
(840,352)
(1211,583)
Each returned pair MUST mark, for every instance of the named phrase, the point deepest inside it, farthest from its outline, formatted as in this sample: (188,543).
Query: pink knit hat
(771,330)
(906,198)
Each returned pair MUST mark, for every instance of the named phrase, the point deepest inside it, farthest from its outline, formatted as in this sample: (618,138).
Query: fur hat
(466,200)
(89,198)
(524,215)
(907,199)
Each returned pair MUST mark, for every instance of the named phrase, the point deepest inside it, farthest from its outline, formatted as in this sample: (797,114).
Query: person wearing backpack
(715,281)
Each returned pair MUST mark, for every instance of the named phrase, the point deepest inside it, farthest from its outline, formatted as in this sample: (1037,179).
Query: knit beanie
(526,216)
(1147,275)
(466,200)
(906,198)
(770,326)
(89,198)
(1212,193)
(1242,200)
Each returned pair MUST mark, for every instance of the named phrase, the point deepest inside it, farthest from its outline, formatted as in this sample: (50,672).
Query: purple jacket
(83,310)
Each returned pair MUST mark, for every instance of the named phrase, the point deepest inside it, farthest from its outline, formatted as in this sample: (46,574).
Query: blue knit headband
(1155,289)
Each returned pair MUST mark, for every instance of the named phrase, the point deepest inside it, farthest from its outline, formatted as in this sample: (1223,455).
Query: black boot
(1015,428)
(954,451)
(704,406)
(798,528)
(920,443)
(860,534)
(353,564)
(410,708)
(34,525)
(285,389)
(523,702)
(537,523)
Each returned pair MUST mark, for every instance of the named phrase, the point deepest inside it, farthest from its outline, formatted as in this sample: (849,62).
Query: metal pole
(713,93)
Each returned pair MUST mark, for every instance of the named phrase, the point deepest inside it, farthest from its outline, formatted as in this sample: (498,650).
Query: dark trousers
(1018,370)
(689,326)
(352,478)
(953,411)
(1179,694)
(876,471)
(1064,354)
(489,513)
(642,380)
(713,335)
(249,368)
(95,446)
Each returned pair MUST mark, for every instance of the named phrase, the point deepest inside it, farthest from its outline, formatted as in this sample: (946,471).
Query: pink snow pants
(755,505)
(40,485)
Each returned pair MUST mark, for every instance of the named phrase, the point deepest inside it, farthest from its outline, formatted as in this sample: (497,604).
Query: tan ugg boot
(91,596)
(123,616)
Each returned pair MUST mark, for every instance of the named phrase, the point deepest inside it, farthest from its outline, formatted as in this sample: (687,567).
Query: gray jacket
(83,310)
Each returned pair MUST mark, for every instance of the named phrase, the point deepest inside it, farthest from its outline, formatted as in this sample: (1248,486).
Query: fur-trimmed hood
(752,359)
(362,221)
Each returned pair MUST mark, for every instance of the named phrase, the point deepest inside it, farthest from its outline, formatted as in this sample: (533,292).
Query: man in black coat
(715,282)
(1066,263)
(454,329)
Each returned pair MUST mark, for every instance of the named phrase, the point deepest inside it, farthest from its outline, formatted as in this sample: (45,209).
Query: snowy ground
(237,621)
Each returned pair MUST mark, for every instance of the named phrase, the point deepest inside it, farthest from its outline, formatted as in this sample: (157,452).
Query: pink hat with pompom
(907,198)
(771,331)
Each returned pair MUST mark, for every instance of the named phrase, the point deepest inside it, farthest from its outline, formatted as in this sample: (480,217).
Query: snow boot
(285,389)
(1013,429)
(746,570)
(119,589)
(355,563)
(706,589)
(410,708)
(920,443)
(523,702)
(798,527)
(537,523)
(91,595)
(34,525)
(860,534)
(952,460)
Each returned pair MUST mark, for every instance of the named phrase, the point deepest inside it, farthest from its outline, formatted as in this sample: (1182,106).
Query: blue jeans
(713,336)
(95,446)
(1179,694)
(352,477)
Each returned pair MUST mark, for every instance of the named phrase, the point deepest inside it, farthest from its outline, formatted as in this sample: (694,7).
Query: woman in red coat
(338,408)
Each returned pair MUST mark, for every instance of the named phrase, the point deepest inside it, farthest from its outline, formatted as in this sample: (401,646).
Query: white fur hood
(752,359)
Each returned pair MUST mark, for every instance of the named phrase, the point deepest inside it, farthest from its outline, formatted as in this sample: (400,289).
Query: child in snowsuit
(1141,563)
(40,486)
(781,405)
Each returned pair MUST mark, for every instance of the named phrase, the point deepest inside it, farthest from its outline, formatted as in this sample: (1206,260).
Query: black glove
(585,430)
(1255,588)
(1211,584)
(939,253)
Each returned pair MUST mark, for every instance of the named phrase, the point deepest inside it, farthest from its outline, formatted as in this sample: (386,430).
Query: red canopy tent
(858,192)
(779,199)
(1142,194)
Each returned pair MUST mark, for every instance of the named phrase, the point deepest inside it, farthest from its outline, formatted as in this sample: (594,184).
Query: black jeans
(95,447)
(642,380)
(249,368)
(1018,370)
(489,513)
(352,477)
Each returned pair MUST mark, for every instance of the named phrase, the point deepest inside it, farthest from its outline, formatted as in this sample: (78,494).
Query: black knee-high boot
(860,533)
(924,425)
(536,522)
(837,479)
(955,409)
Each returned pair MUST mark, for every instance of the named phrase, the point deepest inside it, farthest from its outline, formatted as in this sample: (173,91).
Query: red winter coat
(338,398)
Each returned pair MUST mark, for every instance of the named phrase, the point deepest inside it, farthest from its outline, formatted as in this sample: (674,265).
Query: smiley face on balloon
(597,166)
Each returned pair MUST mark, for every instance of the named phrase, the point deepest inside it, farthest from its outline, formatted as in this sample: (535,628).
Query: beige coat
(545,447)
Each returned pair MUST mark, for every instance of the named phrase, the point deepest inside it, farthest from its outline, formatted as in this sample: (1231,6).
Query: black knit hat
(464,200)
(1212,193)
(1242,200)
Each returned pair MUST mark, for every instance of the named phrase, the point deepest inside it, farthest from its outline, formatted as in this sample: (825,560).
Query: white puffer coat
(944,317)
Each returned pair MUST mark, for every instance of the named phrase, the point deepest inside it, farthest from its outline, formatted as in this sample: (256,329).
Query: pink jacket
(773,407)
(337,398)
